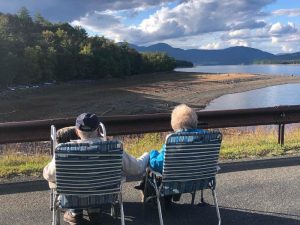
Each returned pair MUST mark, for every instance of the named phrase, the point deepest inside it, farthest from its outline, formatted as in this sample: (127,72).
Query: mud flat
(149,93)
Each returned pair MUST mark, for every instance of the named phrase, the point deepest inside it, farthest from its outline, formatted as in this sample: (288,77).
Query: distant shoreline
(140,94)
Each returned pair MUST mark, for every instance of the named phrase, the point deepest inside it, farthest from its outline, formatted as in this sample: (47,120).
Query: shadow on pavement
(259,164)
(185,214)
(41,185)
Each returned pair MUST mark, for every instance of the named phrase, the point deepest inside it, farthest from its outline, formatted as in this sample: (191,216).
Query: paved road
(264,196)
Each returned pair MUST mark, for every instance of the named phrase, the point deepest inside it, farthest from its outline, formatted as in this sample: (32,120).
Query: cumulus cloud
(286,48)
(213,45)
(69,10)
(193,17)
(99,21)
(279,28)
(238,42)
(287,12)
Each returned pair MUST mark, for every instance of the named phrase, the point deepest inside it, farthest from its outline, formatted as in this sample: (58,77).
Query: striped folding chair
(87,175)
(190,164)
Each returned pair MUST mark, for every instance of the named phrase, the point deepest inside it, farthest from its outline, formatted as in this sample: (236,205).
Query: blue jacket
(157,157)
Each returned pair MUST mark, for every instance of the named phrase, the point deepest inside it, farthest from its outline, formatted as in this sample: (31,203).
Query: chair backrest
(191,160)
(88,169)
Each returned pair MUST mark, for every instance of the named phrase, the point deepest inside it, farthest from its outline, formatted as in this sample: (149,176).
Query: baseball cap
(87,122)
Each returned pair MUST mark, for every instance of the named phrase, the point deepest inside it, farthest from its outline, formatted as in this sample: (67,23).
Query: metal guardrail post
(281,134)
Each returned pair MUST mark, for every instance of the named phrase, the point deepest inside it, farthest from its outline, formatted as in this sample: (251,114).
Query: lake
(255,69)
(286,94)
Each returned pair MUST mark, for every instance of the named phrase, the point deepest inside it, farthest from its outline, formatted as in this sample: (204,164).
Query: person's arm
(157,159)
(49,171)
(135,166)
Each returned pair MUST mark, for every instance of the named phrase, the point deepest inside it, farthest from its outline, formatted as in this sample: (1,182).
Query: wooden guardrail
(39,130)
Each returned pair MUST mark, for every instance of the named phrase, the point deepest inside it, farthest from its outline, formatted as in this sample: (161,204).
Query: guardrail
(39,130)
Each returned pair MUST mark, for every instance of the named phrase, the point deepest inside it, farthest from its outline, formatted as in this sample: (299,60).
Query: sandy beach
(143,94)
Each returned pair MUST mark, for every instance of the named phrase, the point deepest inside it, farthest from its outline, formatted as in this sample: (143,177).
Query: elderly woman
(183,118)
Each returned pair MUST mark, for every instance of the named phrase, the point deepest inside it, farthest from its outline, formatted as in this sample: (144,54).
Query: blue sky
(270,25)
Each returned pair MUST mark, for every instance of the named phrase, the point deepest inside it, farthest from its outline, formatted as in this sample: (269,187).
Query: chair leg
(158,203)
(202,198)
(57,216)
(217,206)
(193,198)
(53,208)
(51,200)
(121,209)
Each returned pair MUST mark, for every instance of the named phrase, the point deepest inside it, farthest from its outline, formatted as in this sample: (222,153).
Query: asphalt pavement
(256,193)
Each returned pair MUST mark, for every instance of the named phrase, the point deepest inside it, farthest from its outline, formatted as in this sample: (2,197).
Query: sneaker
(176,197)
(140,186)
(72,218)
(95,217)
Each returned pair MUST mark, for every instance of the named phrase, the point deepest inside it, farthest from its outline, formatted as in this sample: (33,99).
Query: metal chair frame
(166,177)
(55,206)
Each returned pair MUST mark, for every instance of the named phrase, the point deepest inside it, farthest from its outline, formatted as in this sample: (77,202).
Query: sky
(269,25)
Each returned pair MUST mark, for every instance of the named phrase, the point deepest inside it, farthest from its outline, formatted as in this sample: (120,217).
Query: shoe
(95,217)
(72,218)
(140,186)
(176,197)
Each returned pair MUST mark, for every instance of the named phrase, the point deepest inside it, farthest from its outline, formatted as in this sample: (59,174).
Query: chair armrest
(156,174)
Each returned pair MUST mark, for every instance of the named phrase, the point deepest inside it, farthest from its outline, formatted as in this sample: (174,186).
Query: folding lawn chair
(190,164)
(88,175)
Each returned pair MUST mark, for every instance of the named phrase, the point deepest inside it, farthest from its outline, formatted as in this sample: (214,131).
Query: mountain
(290,56)
(228,56)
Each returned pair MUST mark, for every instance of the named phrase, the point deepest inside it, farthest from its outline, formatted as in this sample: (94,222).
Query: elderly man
(86,129)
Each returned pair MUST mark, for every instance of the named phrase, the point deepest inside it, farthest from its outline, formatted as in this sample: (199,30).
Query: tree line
(278,61)
(34,50)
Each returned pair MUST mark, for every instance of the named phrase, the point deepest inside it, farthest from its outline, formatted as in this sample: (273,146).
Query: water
(255,69)
(286,94)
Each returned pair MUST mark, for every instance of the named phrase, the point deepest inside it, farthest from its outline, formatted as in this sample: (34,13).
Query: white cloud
(279,29)
(193,17)
(99,21)
(287,48)
(274,40)
(69,10)
(287,12)
(200,24)
(214,45)
(238,42)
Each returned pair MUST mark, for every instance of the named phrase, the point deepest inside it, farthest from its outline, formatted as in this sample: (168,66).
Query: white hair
(183,117)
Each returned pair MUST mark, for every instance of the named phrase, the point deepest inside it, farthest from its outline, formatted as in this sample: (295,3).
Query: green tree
(40,20)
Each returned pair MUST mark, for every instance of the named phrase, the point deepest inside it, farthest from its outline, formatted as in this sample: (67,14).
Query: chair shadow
(186,214)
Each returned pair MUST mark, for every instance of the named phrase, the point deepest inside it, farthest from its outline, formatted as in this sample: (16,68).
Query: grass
(14,165)
(236,145)
(259,143)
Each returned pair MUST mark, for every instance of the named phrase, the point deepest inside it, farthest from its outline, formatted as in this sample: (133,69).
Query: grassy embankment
(235,145)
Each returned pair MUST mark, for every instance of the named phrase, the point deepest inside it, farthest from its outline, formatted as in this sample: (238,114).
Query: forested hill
(228,56)
(34,50)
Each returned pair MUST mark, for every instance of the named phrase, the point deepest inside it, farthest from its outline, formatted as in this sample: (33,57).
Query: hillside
(34,51)
(229,56)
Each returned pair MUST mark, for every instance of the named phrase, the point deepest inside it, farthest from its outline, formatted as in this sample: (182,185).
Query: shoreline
(255,87)
(139,94)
